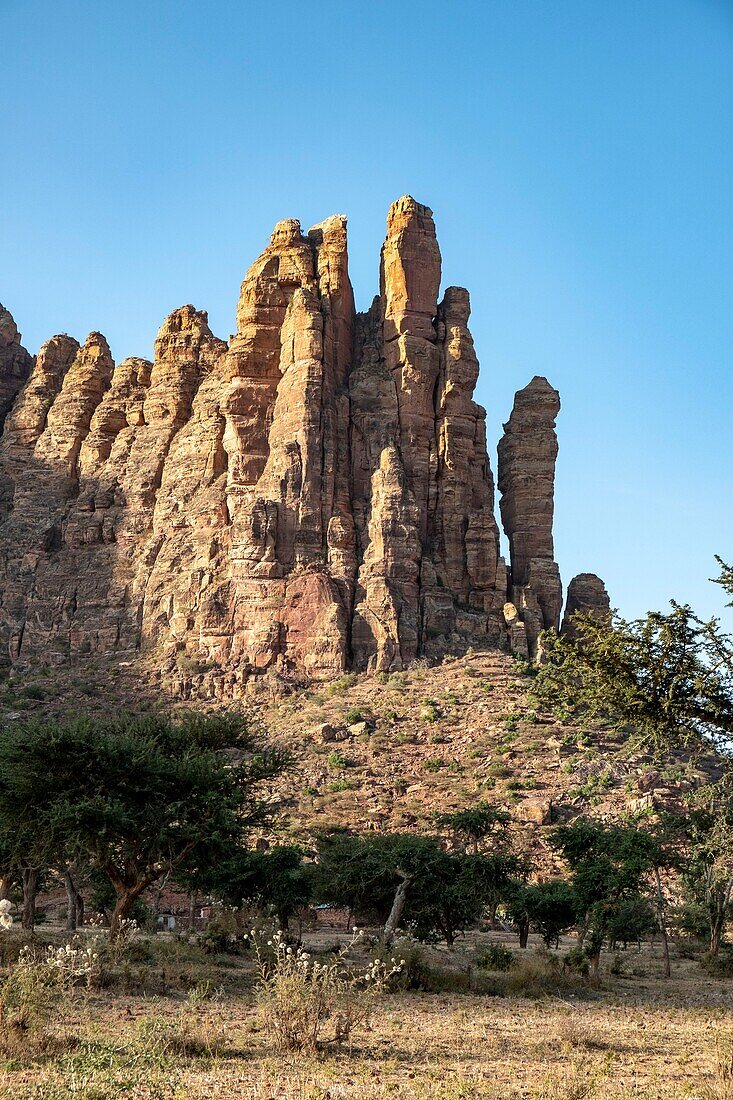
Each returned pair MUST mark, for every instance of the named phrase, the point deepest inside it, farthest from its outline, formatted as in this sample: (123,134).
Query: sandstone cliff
(313,495)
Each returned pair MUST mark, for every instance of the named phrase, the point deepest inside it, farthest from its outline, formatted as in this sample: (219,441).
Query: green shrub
(522,667)
(343,785)
(718,966)
(416,974)
(538,974)
(354,715)
(496,957)
(342,685)
(337,759)
(33,691)
(576,961)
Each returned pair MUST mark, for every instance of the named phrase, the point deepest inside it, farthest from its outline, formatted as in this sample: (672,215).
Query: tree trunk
(523,926)
(157,897)
(192,912)
(718,899)
(717,927)
(121,912)
(594,962)
(30,891)
(661,909)
(126,898)
(71,907)
(583,932)
(398,908)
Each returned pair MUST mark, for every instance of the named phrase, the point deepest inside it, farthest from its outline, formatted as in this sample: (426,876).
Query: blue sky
(578,157)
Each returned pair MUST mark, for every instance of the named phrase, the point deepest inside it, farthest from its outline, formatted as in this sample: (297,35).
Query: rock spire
(312,495)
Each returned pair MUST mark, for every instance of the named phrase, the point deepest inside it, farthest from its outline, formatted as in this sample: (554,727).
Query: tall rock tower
(527,456)
(312,495)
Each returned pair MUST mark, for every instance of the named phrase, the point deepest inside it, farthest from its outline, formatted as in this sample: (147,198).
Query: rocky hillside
(312,496)
(388,751)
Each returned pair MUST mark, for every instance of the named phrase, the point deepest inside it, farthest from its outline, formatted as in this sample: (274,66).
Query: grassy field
(173,1022)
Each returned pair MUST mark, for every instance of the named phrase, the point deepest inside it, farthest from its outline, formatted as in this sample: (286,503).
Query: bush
(522,667)
(576,961)
(220,935)
(354,715)
(338,760)
(33,691)
(342,685)
(718,966)
(496,957)
(299,998)
(430,711)
(416,974)
(538,974)
(339,785)
(33,994)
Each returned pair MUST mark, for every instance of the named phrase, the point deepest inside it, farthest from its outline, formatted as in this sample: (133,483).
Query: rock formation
(586,594)
(312,495)
(527,455)
(15,363)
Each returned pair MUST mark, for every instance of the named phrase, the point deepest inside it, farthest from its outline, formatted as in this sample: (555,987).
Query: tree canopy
(136,795)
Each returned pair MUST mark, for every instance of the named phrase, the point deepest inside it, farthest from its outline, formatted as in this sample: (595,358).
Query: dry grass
(648,1044)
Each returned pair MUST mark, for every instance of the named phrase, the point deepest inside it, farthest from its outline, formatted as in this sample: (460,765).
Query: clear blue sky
(578,155)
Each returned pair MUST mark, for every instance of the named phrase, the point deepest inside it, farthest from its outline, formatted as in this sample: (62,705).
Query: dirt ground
(637,1036)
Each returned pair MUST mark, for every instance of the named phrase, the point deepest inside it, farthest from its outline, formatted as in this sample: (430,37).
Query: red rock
(313,495)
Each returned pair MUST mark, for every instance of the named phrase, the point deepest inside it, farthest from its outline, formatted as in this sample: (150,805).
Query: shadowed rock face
(15,363)
(313,495)
(587,594)
(527,455)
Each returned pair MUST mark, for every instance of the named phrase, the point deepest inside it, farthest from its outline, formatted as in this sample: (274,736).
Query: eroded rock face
(527,456)
(587,594)
(313,495)
(15,363)
(422,489)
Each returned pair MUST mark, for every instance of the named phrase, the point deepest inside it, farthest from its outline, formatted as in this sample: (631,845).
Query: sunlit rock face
(310,496)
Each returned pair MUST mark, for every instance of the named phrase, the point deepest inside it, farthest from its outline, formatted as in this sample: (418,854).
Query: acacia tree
(135,795)
(483,830)
(707,837)
(550,906)
(669,678)
(404,880)
(278,880)
(478,828)
(608,865)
